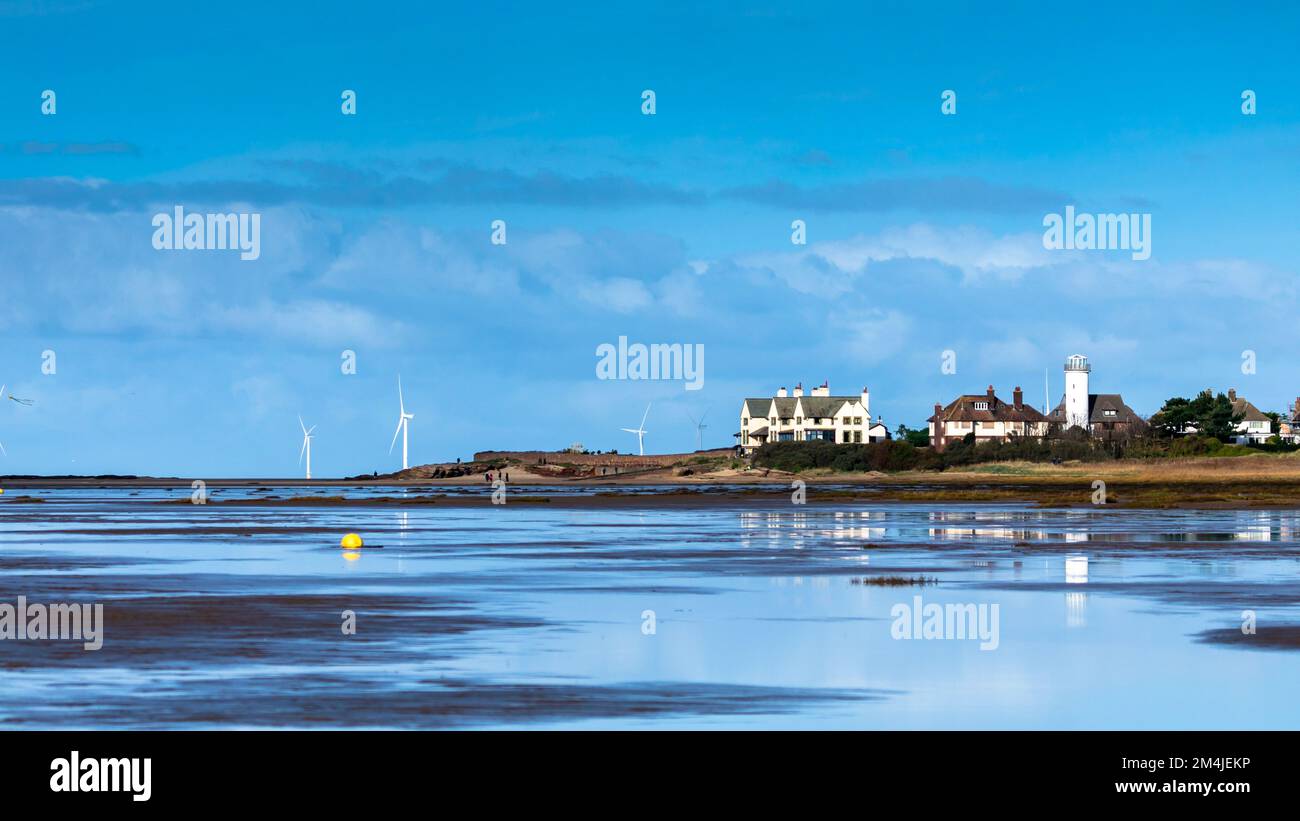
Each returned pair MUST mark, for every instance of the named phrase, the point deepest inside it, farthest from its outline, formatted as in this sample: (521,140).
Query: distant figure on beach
(489,477)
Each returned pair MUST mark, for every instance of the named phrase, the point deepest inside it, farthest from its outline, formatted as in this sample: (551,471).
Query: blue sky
(924,230)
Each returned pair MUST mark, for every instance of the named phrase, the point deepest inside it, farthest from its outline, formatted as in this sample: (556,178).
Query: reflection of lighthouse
(1076,391)
(1076,604)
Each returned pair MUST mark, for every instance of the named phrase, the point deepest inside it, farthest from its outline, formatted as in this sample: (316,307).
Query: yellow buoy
(351,541)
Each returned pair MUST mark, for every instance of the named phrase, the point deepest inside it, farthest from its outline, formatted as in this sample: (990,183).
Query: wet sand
(1255,482)
(765,614)
(1224,495)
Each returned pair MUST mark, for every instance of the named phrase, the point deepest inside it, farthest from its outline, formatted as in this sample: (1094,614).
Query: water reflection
(527,616)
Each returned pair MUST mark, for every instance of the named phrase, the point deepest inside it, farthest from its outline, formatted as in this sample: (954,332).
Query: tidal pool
(710,616)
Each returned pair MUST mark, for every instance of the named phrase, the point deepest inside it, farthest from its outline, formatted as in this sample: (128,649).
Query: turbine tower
(403,424)
(306,444)
(640,432)
(699,429)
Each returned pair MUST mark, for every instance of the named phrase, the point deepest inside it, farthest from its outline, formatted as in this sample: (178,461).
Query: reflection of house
(1254,425)
(805,418)
(1104,415)
(986,416)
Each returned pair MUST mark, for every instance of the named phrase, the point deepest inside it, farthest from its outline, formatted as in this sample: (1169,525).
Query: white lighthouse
(1076,391)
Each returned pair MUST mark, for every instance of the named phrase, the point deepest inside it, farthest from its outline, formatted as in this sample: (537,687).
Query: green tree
(1173,417)
(1214,416)
(916,438)
(1209,414)
(1274,421)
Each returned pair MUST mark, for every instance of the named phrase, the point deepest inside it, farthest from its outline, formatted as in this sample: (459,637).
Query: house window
(773,421)
(798,420)
(857,436)
(744,423)
(981,406)
(1108,412)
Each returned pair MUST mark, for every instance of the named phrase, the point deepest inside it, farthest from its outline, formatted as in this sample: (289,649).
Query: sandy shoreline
(1245,482)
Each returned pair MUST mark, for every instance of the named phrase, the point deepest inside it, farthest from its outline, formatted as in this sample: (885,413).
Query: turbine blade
(313,428)
(706,413)
(646,414)
(303,448)
(399,430)
(2,449)
(401,403)
(301,425)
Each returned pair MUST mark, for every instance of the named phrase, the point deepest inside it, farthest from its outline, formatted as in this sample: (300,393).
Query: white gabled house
(1254,425)
(800,417)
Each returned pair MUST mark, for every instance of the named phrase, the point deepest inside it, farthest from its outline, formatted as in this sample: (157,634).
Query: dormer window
(981,406)
(1108,412)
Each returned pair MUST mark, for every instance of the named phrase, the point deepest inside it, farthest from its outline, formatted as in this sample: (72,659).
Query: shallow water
(524,616)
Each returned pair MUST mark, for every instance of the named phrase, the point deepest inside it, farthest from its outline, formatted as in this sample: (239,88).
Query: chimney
(866,401)
(990,393)
(1018,398)
(780,393)
(936,440)
(1232,394)
(798,389)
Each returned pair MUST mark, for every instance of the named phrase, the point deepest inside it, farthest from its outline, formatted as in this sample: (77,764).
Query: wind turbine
(306,444)
(699,429)
(24,402)
(403,423)
(640,432)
